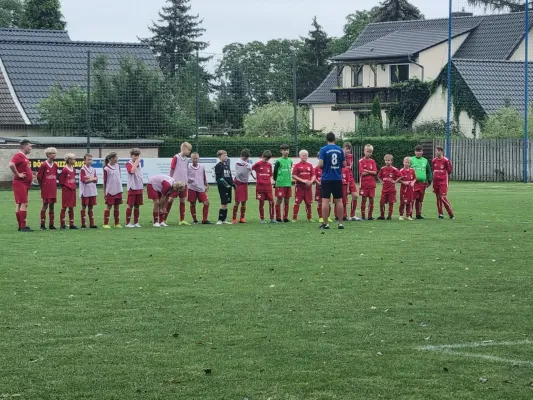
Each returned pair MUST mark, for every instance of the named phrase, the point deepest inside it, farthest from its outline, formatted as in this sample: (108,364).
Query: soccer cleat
(195,222)
(26,229)
(321,220)
(341,226)
(401,218)
(323,226)
(409,218)
(233,221)
(52,228)
(185,223)
(263,221)
(389,218)
(330,220)
(106,226)
(93,227)
(242,221)
(207,222)
(279,221)
(84,227)
(63,227)
(164,224)
(310,220)
(226,222)
(294,221)
(118,226)
(286,220)
(419,217)
(381,218)
(130,225)
(336,219)
(441,216)
(72,227)
(356,219)
(43,228)
(370,219)
(220,223)
(274,221)
(156,225)
(137,225)
(452,217)
(345,219)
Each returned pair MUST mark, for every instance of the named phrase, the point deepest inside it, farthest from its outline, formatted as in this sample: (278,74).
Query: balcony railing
(361,95)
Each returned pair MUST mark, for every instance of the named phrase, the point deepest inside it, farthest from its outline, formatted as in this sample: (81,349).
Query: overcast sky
(226,21)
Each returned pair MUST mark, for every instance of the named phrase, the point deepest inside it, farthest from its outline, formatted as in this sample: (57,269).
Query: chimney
(463,13)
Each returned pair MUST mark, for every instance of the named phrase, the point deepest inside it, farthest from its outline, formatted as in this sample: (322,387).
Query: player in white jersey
(178,172)
(198,188)
(135,188)
(243,169)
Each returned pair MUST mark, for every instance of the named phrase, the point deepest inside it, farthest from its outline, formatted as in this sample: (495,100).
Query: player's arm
(13,168)
(205,183)
(133,168)
(313,177)
(276,170)
(105,180)
(62,177)
(83,177)
(449,167)
(429,173)
(296,178)
(173,166)
(380,177)
(40,174)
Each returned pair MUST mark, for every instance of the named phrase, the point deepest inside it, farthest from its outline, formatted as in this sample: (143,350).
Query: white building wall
(520,53)
(435,109)
(323,118)
(435,58)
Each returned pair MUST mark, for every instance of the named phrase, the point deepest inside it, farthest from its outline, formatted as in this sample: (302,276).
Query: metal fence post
(526,90)
(197,105)
(88,111)
(295,101)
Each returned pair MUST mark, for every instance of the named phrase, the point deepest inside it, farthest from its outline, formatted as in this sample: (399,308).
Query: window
(357,77)
(399,73)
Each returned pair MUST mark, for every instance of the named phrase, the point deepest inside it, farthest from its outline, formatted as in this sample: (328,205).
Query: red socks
(107,213)
(128,215)
(262,209)
(182,211)
(205,213)
(43,217)
(286,211)
(278,211)
(193,212)
(295,211)
(235,210)
(22,217)
(155,216)
(116,214)
(418,208)
(136,214)
(82,213)
(62,216)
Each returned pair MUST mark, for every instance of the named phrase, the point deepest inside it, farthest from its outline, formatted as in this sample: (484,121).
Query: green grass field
(273,312)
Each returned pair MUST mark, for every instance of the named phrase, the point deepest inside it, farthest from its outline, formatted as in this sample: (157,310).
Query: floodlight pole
(449,81)
(295,101)
(526,91)
(88,110)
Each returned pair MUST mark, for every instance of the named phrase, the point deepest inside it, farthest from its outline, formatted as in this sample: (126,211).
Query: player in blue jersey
(331,160)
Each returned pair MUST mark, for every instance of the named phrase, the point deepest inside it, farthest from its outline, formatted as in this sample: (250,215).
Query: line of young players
(188,182)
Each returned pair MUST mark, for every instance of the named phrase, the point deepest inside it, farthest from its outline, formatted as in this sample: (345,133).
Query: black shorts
(331,188)
(225,195)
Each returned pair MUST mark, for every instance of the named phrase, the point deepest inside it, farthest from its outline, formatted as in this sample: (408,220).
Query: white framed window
(398,73)
(357,77)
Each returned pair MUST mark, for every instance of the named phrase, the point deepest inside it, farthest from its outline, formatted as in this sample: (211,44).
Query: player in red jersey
(318,197)
(135,188)
(352,187)
(159,189)
(388,177)
(263,186)
(442,169)
(407,191)
(22,179)
(346,172)
(179,172)
(67,180)
(47,178)
(367,187)
(304,175)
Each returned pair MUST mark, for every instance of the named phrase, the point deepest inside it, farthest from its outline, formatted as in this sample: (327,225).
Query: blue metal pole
(449,83)
(526,91)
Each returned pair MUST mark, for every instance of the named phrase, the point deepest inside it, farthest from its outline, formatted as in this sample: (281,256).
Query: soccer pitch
(273,311)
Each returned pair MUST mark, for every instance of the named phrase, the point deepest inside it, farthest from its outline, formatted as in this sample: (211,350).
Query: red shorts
(47,200)
(303,193)
(352,187)
(388,197)
(440,188)
(113,200)
(241,192)
(20,191)
(367,192)
(152,194)
(284,192)
(182,195)
(406,197)
(88,201)
(197,196)
(264,195)
(420,191)
(135,198)
(68,197)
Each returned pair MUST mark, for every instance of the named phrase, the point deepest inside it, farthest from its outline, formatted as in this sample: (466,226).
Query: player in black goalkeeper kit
(225,186)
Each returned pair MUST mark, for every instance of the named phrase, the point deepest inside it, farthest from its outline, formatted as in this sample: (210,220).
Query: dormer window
(399,73)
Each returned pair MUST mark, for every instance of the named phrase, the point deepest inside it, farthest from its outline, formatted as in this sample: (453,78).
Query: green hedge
(399,147)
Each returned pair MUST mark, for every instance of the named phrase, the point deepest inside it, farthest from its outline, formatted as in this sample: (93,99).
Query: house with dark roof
(391,52)
(32,61)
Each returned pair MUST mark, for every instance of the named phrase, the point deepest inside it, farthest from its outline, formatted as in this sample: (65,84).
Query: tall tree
(396,10)
(355,24)
(176,37)
(507,5)
(313,62)
(10,13)
(43,14)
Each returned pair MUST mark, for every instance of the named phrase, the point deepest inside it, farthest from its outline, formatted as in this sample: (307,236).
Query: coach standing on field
(331,160)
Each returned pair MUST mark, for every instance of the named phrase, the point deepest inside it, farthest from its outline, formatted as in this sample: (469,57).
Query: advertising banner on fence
(151,167)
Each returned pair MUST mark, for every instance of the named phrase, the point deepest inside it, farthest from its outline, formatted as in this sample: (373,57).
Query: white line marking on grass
(449,349)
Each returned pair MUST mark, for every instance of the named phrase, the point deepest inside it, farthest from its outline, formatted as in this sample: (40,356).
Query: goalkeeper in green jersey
(283,183)
(424,176)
